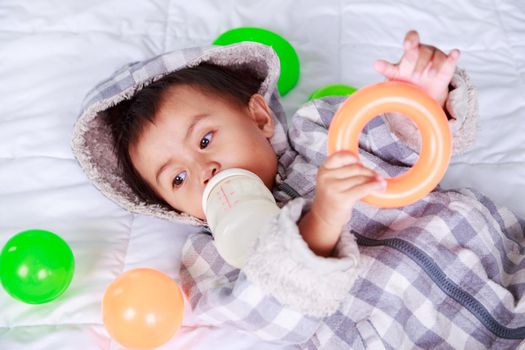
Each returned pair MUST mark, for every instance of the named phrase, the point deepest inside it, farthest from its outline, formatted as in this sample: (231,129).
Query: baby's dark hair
(128,118)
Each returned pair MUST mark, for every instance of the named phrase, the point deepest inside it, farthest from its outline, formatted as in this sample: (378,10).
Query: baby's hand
(341,181)
(422,65)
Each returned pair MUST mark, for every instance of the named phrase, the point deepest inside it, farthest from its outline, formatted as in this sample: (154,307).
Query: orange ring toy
(409,100)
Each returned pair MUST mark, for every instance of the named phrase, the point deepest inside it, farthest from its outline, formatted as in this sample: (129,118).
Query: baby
(186,127)
(445,272)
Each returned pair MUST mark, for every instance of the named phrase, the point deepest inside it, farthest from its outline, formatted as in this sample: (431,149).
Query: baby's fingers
(407,63)
(386,69)
(449,66)
(340,159)
(348,171)
(410,58)
(437,63)
(364,189)
(425,57)
(411,40)
(355,181)
(444,64)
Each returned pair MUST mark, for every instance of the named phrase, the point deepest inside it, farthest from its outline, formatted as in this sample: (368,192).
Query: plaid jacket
(447,272)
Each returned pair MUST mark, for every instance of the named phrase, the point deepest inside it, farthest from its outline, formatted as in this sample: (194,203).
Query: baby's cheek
(199,213)
(193,205)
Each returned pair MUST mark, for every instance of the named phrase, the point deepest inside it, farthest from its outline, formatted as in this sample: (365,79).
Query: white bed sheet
(52,52)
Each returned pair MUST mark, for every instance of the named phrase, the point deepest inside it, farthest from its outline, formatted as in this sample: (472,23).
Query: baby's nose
(209,172)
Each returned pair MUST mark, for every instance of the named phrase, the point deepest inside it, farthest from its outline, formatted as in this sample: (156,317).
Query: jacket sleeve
(221,295)
(281,294)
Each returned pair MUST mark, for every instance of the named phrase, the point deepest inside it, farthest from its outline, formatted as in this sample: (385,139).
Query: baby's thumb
(385,68)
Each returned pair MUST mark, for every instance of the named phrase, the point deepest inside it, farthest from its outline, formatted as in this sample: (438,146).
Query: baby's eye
(179,179)
(205,141)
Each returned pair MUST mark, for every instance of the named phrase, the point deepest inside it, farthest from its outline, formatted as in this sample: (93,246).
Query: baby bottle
(237,205)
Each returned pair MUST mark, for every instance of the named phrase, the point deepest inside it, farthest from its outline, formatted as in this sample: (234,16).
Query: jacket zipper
(446,285)
(438,276)
(289,190)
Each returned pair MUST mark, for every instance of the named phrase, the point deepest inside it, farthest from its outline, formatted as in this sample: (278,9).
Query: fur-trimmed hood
(91,141)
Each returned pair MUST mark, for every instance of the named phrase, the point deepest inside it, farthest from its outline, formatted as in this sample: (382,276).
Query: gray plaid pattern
(394,304)
(135,75)
(222,296)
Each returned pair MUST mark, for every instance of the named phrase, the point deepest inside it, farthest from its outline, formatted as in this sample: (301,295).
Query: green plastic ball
(287,56)
(36,266)
(333,90)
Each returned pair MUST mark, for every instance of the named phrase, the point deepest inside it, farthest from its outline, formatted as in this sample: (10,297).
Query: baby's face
(196,135)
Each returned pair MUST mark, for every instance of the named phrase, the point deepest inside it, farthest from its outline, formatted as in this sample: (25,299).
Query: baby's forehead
(182,108)
(191,96)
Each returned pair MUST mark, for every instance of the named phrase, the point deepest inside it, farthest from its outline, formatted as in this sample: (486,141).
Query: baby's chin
(202,217)
(199,214)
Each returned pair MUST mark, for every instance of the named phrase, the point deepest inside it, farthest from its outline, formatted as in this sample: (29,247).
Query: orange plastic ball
(142,308)
(430,119)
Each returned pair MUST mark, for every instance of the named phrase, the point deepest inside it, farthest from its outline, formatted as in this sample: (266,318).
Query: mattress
(53,52)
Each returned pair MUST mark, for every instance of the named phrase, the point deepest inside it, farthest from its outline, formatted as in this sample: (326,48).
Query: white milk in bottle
(237,205)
